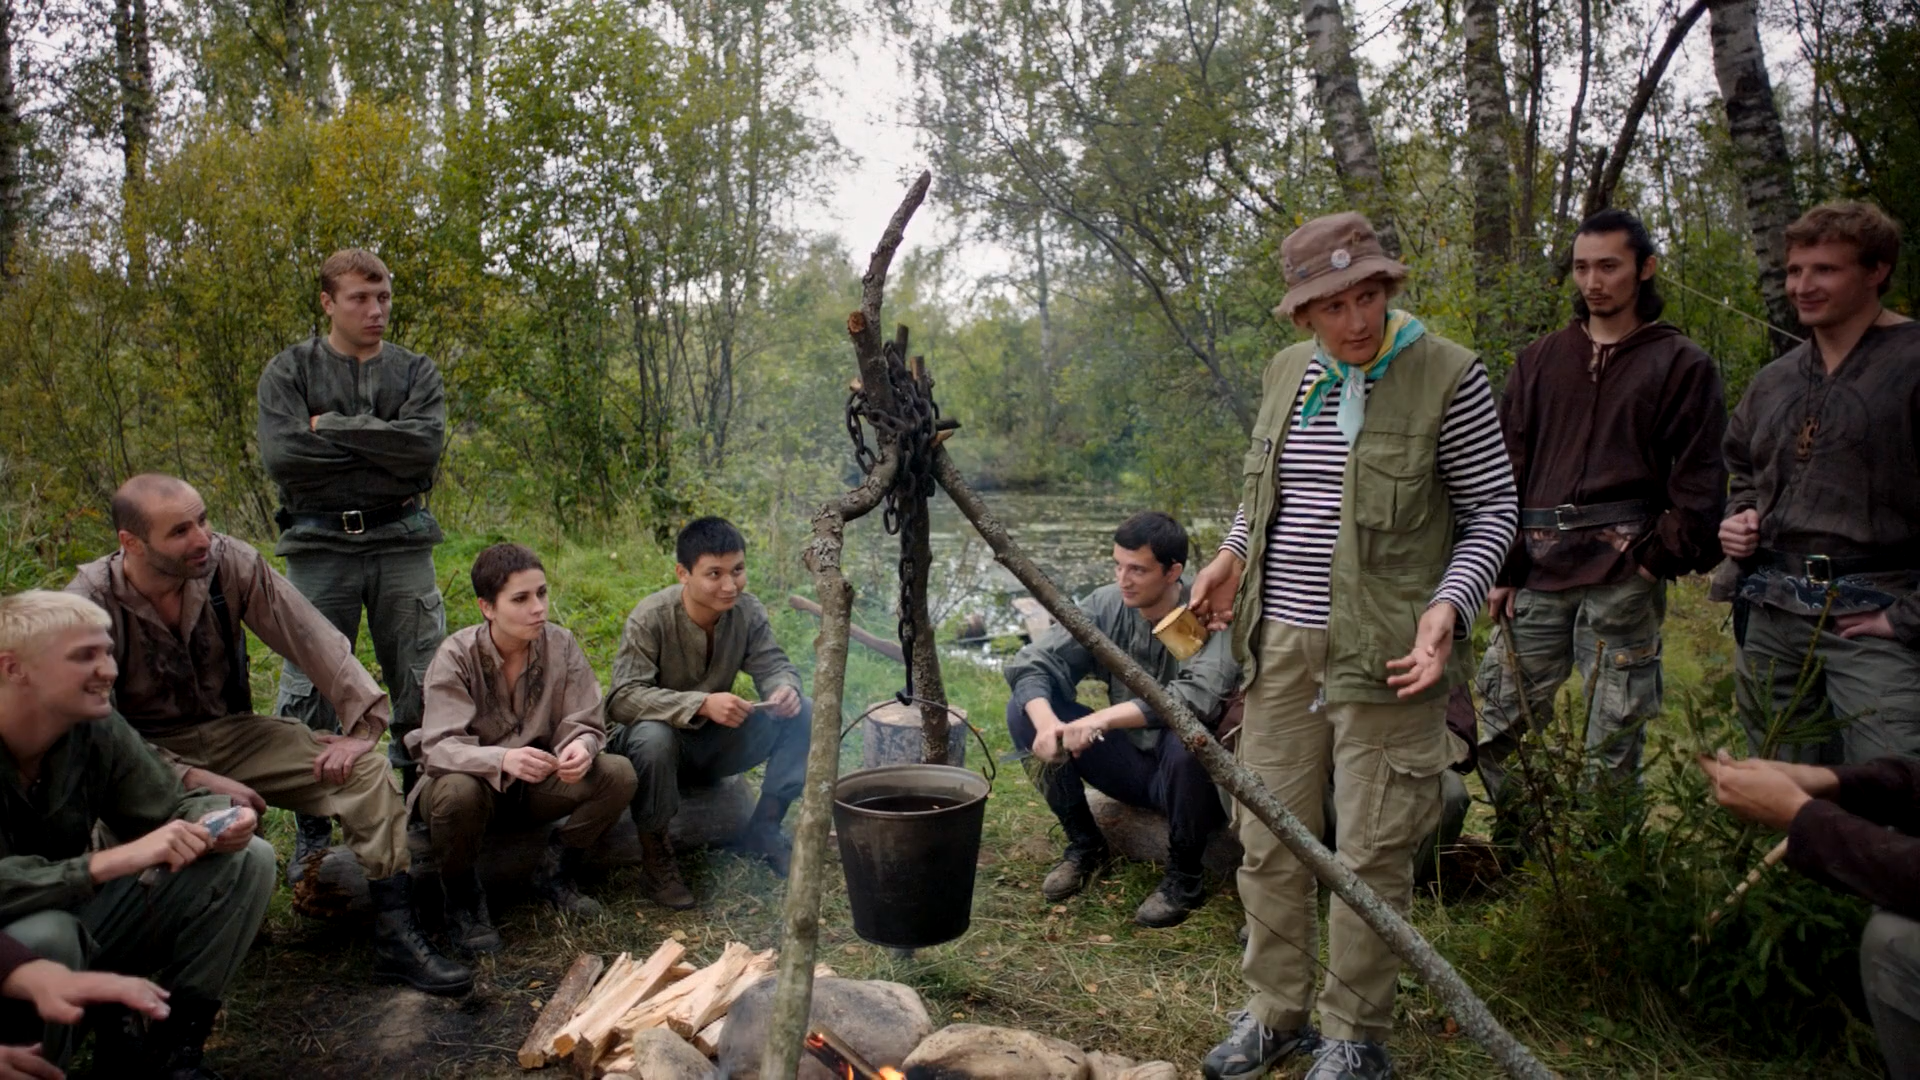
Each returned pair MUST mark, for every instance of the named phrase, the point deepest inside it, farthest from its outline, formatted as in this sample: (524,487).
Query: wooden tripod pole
(1472,1013)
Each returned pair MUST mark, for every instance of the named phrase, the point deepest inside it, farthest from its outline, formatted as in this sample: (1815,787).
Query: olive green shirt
(99,771)
(1053,665)
(667,665)
(381,426)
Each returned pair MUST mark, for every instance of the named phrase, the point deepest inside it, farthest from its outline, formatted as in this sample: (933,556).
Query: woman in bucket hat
(1378,506)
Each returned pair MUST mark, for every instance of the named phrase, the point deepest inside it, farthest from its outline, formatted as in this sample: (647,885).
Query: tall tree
(1759,153)
(1343,116)
(12,143)
(133,71)
(1489,124)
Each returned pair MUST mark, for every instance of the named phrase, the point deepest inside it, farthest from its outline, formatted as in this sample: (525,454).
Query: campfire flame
(844,1061)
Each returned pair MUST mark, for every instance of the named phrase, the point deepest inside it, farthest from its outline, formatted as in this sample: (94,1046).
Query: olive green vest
(1396,523)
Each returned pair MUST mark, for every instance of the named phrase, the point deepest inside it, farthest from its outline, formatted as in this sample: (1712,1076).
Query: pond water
(1070,536)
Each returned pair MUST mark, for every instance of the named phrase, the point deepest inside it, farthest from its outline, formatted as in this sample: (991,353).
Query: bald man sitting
(181,598)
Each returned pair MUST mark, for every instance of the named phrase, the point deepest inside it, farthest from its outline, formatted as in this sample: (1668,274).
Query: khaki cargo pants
(1386,762)
(274,756)
(1618,624)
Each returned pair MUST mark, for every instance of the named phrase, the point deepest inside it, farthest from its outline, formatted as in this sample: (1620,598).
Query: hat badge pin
(1340,259)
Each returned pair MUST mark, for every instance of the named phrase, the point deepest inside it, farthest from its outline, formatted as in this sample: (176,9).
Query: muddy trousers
(186,931)
(668,759)
(459,809)
(274,756)
(406,619)
(1386,761)
(1166,778)
(1616,626)
(1861,700)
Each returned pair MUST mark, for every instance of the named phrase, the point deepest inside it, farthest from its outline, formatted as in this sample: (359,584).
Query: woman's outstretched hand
(1432,645)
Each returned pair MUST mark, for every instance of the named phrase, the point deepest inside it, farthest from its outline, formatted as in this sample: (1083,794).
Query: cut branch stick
(889,649)
(591,1028)
(800,929)
(1240,782)
(574,987)
(1733,899)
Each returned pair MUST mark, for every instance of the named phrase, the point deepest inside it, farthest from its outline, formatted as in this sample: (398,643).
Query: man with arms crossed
(351,427)
(1824,509)
(179,594)
(178,897)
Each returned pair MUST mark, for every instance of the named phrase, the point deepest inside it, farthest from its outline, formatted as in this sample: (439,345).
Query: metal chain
(910,426)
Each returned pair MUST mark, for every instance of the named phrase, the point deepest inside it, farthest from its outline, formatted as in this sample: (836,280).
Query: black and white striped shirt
(1472,462)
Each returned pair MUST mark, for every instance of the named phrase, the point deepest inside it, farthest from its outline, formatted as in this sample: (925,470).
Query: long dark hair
(1647,301)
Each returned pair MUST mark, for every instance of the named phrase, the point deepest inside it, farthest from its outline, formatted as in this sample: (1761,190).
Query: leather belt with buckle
(1568,516)
(1826,569)
(351,522)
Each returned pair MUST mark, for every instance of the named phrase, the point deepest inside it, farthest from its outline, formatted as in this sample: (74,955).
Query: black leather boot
(401,953)
(469,925)
(558,880)
(311,836)
(178,1043)
(763,837)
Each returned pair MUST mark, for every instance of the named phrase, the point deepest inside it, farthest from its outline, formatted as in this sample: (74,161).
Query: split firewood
(567,997)
(592,1026)
(707,1039)
(677,1005)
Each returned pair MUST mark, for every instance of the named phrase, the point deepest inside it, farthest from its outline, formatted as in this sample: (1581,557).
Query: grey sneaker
(1252,1048)
(1072,873)
(1350,1059)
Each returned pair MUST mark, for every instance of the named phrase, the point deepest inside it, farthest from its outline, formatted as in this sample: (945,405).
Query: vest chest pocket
(1393,481)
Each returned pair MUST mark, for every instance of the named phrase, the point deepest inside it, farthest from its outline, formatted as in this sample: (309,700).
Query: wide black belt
(351,522)
(1568,516)
(1823,569)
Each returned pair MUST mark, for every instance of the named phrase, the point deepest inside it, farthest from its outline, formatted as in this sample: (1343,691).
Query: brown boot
(660,874)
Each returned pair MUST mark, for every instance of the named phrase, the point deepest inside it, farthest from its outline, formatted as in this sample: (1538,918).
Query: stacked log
(594,1020)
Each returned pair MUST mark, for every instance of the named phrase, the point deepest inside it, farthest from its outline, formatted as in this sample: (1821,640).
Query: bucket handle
(991,774)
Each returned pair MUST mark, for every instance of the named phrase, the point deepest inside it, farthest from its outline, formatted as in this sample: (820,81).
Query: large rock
(1114,1067)
(708,816)
(1135,833)
(659,1054)
(979,1052)
(884,1021)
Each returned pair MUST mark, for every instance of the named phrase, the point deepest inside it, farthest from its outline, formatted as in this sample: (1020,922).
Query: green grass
(1080,970)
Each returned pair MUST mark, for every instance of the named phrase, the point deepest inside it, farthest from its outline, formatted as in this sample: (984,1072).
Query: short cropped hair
(1153,529)
(1647,301)
(357,261)
(496,565)
(707,536)
(1868,228)
(129,503)
(28,619)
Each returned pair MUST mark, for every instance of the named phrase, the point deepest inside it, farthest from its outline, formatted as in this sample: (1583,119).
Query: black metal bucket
(909,839)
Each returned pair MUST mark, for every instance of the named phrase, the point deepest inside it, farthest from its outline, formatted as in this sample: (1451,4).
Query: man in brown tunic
(1613,425)
(681,722)
(513,732)
(1824,509)
(179,594)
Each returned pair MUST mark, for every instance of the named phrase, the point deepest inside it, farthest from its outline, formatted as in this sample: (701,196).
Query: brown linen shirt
(471,720)
(667,665)
(1831,461)
(171,680)
(1642,419)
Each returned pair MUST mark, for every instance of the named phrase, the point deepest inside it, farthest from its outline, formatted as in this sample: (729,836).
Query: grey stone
(659,1054)
(979,1052)
(884,1021)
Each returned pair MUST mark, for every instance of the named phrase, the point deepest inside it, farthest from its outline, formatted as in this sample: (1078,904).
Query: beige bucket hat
(1328,255)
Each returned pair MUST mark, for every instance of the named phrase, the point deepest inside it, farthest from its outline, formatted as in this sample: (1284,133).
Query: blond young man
(178,897)
(1823,516)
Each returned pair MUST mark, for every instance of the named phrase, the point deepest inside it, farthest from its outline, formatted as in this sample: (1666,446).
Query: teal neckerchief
(1402,330)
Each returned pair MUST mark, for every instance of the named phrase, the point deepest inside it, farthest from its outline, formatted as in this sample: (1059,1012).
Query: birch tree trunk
(1343,116)
(1489,123)
(12,142)
(1759,153)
